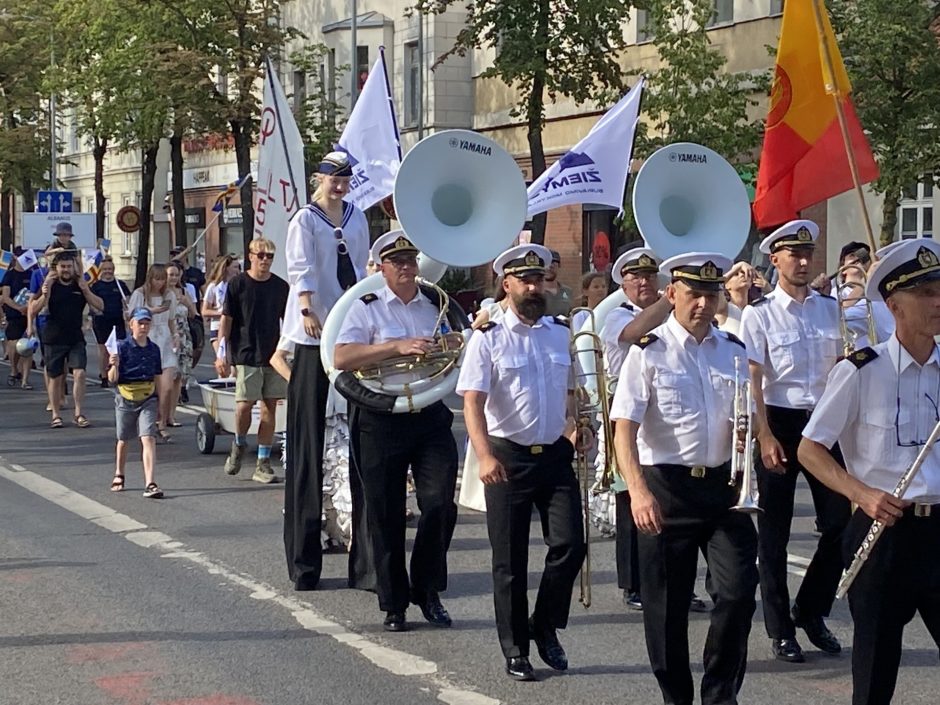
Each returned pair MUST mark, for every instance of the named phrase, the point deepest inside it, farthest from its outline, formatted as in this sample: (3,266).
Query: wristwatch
(306,312)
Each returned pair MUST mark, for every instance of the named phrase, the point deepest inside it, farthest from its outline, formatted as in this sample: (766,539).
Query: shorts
(102,328)
(57,356)
(135,419)
(256,383)
(16,328)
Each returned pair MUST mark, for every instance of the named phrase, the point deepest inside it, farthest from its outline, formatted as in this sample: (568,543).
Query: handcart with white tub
(218,398)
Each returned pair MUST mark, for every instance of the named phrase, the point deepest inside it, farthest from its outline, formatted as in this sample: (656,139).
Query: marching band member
(327,248)
(400,320)
(793,341)
(637,272)
(516,381)
(880,440)
(674,444)
(852,300)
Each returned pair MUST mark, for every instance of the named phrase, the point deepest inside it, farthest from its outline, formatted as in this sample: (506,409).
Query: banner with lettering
(282,187)
(595,170)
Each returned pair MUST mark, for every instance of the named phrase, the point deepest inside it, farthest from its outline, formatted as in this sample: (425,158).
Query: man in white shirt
(517,383)
(673,409)
(793,341)
(881,406)
(857,257)
(400,320)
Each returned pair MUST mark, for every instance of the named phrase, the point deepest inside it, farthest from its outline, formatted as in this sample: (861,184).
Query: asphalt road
(112,599)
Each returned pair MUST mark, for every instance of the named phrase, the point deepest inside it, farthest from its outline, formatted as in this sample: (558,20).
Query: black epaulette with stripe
(735,339)
(646,341)
(560,320)
(368,298)
(862,357)
(761,300)
(489,325)
(627,306)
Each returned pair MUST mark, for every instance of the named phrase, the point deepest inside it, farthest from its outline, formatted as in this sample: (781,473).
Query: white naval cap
(392,242)
(523,259)
(700,270)
(904,265)
(796,233)
(639,259)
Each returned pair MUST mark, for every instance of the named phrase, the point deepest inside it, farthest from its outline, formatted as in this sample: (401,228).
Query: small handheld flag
(228,192)
(27,259)
(111,344)
(6,260)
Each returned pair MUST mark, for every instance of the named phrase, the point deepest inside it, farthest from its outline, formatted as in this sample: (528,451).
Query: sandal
(117,484)
(153,492)
(27,387)
(174,424)
(164,436)
(56,422)
(82,422)
(11,381)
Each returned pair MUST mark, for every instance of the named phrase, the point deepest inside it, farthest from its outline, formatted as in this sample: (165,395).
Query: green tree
(545,49)
(891,50)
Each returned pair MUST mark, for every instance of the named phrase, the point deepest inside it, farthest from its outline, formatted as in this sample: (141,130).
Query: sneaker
(263,472)
(153,492)
(233,463)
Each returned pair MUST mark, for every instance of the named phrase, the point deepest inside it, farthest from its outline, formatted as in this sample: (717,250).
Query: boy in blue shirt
(135,364)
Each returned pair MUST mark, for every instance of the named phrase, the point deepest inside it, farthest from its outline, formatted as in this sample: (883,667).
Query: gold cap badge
(804,235)
(532,259)
(708,272)
(927,258)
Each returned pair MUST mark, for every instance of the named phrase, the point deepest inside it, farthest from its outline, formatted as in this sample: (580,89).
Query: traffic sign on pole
(54,202)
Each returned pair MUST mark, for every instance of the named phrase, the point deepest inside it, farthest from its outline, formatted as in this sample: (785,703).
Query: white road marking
(392,660)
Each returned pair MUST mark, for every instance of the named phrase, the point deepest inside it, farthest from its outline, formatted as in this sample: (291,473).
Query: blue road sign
(54,202)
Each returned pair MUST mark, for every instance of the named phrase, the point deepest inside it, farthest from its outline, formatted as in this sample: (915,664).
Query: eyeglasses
(263,255)
(402,262)
(897,415)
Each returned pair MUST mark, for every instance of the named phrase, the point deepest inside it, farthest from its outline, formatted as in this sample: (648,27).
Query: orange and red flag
(804,158)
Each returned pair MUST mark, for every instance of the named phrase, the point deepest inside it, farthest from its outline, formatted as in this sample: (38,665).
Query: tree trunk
(29,196)
(241,132)
(7,203)
(889,218)
(534,112)
(179,197)
(147,176)
(98,151)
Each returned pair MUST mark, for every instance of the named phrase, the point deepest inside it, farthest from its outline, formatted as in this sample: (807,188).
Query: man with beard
(674,444)
(401,319)
(793,341)
(66,294)
(558,298)
(517,385)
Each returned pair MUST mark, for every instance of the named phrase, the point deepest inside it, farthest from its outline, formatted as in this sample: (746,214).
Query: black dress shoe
(787,650)
(519,668)
(550,650)
(632,600)
(395,622)
(817,632)
(433,610)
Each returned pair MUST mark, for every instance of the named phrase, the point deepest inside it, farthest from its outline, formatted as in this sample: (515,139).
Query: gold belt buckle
(536,450)
(698,471)
(921,510)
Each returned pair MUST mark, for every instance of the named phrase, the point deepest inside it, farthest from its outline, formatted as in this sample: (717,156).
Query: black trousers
(628,557)
(777,492)
(547,482)
(303,474)
(900,578)
(385,446)
(696,518)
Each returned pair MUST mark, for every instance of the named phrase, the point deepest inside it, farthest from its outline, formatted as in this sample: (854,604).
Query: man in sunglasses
(250,326)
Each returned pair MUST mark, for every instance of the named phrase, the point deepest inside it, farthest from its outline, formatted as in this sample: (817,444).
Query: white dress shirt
(311,263)
(856,318)
(869,409)
(526,373)
(387,318)
(681,393)
(796,344)
(614,351)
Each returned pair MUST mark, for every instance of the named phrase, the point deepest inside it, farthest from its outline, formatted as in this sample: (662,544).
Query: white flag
(27,259)
(111,344)
(596,168)
(281,187)
(371,140)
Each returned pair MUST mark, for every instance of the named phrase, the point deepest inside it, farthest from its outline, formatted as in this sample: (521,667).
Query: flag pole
(832,89)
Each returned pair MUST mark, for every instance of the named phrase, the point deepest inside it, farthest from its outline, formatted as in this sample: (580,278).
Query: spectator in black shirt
(254,306)
(113,292)
(14,281)
(66,294)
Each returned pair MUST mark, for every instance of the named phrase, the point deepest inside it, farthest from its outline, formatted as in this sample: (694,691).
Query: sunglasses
(341,248)
(263,255)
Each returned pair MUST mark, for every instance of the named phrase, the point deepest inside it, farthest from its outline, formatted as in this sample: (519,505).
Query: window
(724,12)
(362,65)
(915,215)
(300,91)
(644,26)
(412,84)
(776,7)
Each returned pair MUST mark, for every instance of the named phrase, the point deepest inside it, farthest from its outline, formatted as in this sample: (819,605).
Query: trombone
(590,404)
(742,444)
(850,292)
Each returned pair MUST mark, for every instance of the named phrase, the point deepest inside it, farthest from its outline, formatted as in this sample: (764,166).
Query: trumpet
(590,404)
(742,456)
(853,291)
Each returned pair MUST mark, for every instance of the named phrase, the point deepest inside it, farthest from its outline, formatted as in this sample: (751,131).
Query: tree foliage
(891,50)
(545,49)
